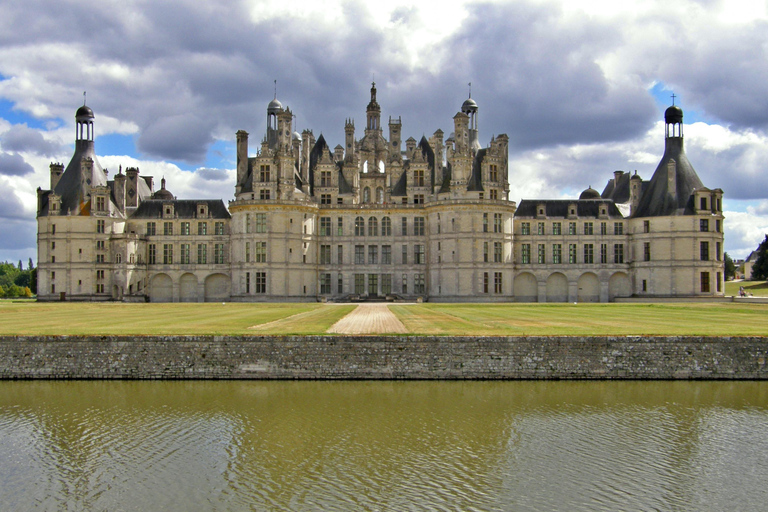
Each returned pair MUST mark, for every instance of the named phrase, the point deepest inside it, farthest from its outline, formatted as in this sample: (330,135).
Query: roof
(657,199)
(74,187)
(182,208)
(559,208)
(475,182)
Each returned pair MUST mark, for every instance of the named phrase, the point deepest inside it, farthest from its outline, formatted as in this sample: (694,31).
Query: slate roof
(183,208)
(475,182)
(559,207)
(73,186)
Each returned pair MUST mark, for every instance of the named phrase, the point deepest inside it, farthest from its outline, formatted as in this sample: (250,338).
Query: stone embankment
(381,357)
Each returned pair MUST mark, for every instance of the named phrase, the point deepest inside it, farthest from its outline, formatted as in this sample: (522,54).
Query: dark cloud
(183,137)
(12,164)
(24,139)
(212,174)
(18,234)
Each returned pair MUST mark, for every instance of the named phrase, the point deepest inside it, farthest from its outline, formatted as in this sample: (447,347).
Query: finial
(83,98)
(470,89)
(275,89)
(673,99)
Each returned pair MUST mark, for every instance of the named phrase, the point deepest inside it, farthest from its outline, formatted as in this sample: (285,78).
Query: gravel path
(369,319)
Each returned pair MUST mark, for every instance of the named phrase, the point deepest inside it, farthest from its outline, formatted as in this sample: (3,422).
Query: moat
(383,445)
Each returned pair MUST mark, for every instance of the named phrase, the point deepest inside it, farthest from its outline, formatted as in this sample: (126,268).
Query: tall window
(325,226)
(325,254)
(218,228)
(646,226)
(325,284)
(100,226)
(184,254)
(247,252)
(405,284)
(493,172)
(703,224)
(485,223)
(218,253)
(325,178)
(540,228)
(418,178)
(261,252)
(418,226)
(167,254)
(571,253)
(526,253)
(418,254)
(618,253)
(405,255)
(705,282)
(494,195)
(419,286)
(167,228)
(603,253)
(264,193)
(185,228)
(542,254)
(151,254)
(359,255)
(261,222)
(373,226)
(557,253)
(525,228)
(264,173)
(497,284)
(359,284)
(497,252)
(589,228)
(647,251)
(359,226)
(261,282)
(202,228)
(340,254)
(485,282)
(603,228)
(386,226)
(325,198)
(386,284)
(618,228)
(557,228)
(373,254)
(497,223)
(340,226)
(373,284)
(704,251)
(100,204)
(404,226)
(571,228)
(386,254)
(589,253)
(202,253)
(485,252)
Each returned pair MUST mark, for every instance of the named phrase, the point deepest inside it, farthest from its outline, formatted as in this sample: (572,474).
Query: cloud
(183,137)
(213,174)
(12,164)
(21,138)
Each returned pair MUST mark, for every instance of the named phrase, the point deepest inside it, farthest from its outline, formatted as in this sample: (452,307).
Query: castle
(375,220)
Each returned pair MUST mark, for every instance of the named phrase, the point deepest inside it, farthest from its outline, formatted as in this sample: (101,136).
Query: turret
(349,140)
(395,126)
(373,113)
(57,169)
(242,158)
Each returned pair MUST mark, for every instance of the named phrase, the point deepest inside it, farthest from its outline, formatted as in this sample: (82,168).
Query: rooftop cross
(673,99)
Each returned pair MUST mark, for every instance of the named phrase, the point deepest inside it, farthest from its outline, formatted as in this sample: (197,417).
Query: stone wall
(381,357)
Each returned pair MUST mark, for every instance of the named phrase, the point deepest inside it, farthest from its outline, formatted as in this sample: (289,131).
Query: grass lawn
(756,288)
(150,319)
(28,318)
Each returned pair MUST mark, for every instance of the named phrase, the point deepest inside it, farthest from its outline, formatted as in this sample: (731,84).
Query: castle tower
(274,109)
(349,140)
(373,113)
(470,108)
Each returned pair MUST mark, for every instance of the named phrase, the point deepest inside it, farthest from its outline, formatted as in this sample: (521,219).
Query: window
(418,226)
(325,226)
(359,255)
(325,255)
(264,193)
(100,244)
(261,282)
(261,222)
(717,251)
(646,226)
(418,254)
(497,223)
(588,228)
(703,225)
(151,254)
(366,195)
(264,173)
(717,226)
(603,228)
(340,286)
(404,226)
(340,254)
(542,255)
(325,284)
(419,286)
(184,254)
(526,253)
(645,285)
(359,284)
(418,199)
(719,280)
(571,228)
(571,253)
(53,276)
(493,172)
(218,228)
(557,253)
(485,252)
(525,228)
(386,284)
(202,228)
(618,253)
(704,251)
(494,195)
(340,226)
(325,179)
(386,226)
(260,252)
(53,288)
(703,205)
(100,226)
(53,229)
(647,251)
(705,282)
(100,258)
(418,178)
(405,255)
(618,228)
(540,229)
(497,286)
(218,253)
(373,284)
(373,254)
(167,228)
(100,288)
(185,228)
(167,254)
(497,252)
(603,253)
(359,226)
(405,283)
(386,254)
(202,253)
(373,226)
(485,224)
(589,253)
(557,228)
(247,252)
(485,282)
(325,198)
(100,204)
(247,282)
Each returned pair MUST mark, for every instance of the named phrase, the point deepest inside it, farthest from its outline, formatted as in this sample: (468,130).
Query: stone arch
(161,288)
(557,288)
(619,286)
(188,288)
(526,288)
(589,288)
(217,288)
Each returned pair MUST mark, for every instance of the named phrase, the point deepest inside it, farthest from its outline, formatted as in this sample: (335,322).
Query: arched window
(380,195)
(381,166)
(365,167)
(386,226)
(373,227)
(359,226)
(366,195)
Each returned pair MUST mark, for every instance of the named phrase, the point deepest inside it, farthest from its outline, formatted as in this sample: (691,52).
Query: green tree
(730,268)
(760,268)
(30,265)
(33,280)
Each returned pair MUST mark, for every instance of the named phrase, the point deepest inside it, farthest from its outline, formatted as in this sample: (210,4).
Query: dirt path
(369,319)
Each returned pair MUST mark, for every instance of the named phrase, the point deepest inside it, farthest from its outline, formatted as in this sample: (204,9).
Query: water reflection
(99,445)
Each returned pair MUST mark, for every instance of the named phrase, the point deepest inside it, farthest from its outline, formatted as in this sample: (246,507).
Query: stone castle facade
(376,218)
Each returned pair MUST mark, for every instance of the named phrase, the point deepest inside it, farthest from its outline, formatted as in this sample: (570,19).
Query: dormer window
(202,210)
(101,203)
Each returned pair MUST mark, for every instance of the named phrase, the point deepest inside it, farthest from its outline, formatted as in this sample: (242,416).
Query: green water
(95,445)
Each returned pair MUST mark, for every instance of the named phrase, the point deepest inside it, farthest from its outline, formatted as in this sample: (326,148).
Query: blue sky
(580,87)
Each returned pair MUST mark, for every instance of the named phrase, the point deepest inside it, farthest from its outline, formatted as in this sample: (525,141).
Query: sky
(580,88)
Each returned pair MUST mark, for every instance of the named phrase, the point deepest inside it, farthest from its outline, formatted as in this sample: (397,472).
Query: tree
(20,267)
(760,268)
(30,266)
(730,268)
